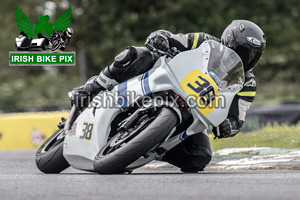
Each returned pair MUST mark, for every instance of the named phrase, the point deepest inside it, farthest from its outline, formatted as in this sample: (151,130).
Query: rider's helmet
(69,32)
(247,40)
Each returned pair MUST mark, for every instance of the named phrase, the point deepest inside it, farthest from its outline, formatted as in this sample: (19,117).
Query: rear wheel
(49,157)
(126,147)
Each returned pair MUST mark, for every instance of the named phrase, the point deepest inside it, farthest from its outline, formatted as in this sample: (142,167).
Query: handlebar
(170,53)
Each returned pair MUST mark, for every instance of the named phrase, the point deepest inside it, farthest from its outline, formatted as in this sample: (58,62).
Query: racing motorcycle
(148,115)
(60,39)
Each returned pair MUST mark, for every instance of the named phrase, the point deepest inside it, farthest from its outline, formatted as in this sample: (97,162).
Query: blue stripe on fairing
(183,136)
(146,84)
(142,85)
(122,96)
(160,150)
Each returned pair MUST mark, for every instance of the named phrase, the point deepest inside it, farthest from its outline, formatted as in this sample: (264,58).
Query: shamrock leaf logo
(43,26)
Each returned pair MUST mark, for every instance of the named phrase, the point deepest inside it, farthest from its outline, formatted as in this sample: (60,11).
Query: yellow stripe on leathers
(196,38)
(23,130)
(246,94)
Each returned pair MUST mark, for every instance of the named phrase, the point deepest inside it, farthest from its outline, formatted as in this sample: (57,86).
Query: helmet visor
(249,57)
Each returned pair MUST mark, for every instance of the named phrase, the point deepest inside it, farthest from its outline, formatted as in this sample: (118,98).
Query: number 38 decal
(203,89)
(87,130)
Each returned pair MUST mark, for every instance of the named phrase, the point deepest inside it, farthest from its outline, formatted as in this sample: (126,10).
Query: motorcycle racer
(194,153)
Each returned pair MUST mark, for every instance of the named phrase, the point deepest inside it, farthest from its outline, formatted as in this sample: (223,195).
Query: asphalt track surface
(20,179)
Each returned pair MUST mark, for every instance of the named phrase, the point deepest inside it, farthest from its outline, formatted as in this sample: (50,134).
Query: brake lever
(218,132)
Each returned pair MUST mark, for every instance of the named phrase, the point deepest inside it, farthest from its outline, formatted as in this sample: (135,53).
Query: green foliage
(104,28)
(276,91)
(43,91)
(284,136)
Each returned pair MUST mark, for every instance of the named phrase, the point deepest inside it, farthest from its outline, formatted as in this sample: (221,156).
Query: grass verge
(278,136)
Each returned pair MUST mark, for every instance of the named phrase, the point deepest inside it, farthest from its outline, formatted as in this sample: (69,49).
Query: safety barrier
(27,130)
(259,116)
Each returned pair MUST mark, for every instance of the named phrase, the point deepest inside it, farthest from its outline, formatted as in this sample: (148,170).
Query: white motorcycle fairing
(183,70)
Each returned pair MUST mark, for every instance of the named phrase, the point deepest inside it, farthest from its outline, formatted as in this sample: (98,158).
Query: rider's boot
(83,95)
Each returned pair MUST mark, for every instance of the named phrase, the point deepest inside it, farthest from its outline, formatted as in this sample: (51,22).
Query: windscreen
(225,66)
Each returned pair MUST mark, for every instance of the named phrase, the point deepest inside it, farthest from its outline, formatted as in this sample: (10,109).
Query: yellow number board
(203,89)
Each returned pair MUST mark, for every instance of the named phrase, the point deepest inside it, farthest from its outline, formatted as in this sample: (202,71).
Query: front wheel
(49,157)
(126,147)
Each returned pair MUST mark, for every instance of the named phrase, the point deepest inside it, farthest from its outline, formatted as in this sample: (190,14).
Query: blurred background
(103,28)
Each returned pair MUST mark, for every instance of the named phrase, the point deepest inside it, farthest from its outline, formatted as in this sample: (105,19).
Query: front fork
(70,119)
(66,123)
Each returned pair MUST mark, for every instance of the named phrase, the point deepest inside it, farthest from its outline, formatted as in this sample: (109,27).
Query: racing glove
(158,41)
(228,128)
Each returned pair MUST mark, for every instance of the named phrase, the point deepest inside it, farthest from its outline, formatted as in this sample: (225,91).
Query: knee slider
(121,64)
(126,57)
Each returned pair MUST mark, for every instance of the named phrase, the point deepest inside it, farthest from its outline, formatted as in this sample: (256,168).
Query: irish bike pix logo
(42,43)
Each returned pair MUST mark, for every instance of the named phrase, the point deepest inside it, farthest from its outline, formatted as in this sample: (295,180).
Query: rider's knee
(202,158)
(129,63)
(197,162)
